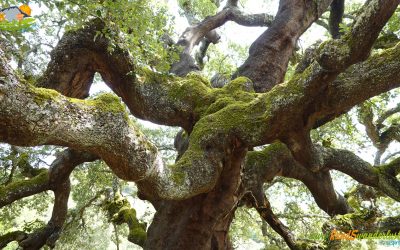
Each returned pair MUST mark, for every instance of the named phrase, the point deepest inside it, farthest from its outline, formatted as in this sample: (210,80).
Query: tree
(219,165)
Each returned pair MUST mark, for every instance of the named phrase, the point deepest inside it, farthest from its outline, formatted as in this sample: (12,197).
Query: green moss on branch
(29,186)
(105,102)
(120,211)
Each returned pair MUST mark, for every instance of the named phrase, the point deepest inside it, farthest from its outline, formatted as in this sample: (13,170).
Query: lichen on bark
(120,211)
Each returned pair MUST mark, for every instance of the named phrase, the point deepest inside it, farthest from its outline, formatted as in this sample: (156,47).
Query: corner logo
(16,18)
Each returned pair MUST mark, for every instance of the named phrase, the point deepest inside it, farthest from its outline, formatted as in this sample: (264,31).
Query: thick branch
(262,166)
(355,46)
(311,85)
(366,117)
(56,179)
(335,17)
(269,55)
(19,189)
(10,237)
(194,34)
(268,215)
(32,116)
(45,180)
(360,82)
(303,99)
(81,53)
(380,139)
(387,114)
(175,101)
(50,233)
(206,29)
(382,177)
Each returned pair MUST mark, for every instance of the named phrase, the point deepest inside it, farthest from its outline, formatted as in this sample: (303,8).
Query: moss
(190,89)
(184,135)
(178,169)
(354,203)
(240,83)
(228,111)
(41,178)
(352,199)
(120,211)
(392,168)
(178,176)
(149,76)
(336,55)
(43,95)
(199,78)
(238,90)
(226,122)
(263,157)
(105,102)
(305,245)
(388,183)
(137,235)
(137,230)
(219,104)
(386,40)
(113,206)
(381,58)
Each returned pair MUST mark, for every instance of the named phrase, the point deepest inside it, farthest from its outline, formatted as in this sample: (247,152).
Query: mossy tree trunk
(200,222)
(196,197)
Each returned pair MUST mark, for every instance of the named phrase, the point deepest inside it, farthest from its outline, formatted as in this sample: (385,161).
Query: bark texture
(196,197)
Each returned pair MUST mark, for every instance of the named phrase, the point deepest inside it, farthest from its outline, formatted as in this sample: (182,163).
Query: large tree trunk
(201,222)
(196,198)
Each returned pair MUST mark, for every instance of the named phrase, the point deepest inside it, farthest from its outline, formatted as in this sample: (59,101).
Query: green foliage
(246,226)
(134,25)
(225,61)
(16,165)
(394,23)
(201,8)
(15,25)
(163,139)
(91,232)
(292,203)
(87,226)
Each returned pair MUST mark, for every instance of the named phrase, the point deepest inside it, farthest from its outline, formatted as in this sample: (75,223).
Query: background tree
(277,120)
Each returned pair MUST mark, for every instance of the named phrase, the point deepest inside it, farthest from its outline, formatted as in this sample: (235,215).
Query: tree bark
(201,222)
(195,198)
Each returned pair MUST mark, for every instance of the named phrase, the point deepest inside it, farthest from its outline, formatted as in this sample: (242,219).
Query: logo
(16,18)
